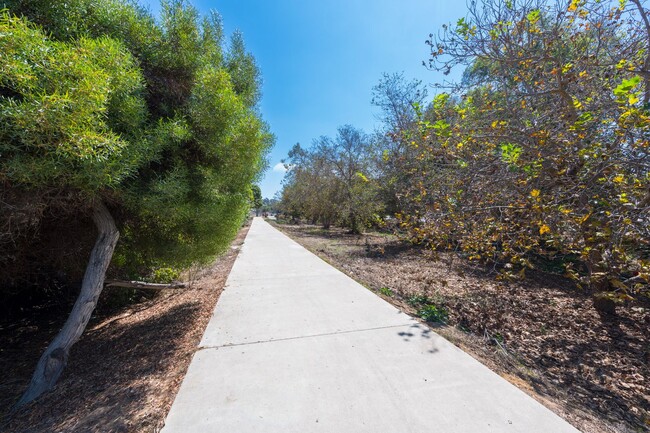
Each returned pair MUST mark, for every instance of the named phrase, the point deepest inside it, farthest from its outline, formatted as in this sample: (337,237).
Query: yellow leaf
(576,103)
(619,179)
(544,229)
(584,218)
(534,193)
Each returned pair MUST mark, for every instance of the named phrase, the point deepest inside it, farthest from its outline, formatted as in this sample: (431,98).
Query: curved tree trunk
(54,359)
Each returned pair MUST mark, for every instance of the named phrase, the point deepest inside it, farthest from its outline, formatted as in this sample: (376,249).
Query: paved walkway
(294,345)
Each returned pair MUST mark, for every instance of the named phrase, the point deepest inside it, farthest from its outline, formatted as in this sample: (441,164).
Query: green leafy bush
(433,313)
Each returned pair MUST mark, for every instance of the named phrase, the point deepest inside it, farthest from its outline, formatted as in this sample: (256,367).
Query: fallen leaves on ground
(126,369)
(542,334)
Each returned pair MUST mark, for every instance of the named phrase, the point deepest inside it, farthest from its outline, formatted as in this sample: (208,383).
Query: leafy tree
(310,188)
(333,181)
(400,102)
(271,205)
(541,153)
(256,201)
(145,129)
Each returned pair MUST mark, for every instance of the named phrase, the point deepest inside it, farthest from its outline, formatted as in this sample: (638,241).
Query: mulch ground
(126,369)
(542,334)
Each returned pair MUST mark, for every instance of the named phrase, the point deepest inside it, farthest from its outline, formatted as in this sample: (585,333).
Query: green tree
(400,102)
(333,181)
(143,128)
(310,188)
(256,201)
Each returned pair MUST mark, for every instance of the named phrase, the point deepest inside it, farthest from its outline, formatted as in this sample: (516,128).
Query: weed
(433,313)
(164,275)
(386,291)
(418,300)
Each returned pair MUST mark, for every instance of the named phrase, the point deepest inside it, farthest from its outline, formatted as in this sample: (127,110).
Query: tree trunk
(144,285)
(54,359)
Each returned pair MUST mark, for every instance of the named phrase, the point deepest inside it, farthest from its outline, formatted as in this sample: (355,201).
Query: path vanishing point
(294,345)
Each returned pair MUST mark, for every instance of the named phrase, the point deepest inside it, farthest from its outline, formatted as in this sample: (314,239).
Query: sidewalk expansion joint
(302,337)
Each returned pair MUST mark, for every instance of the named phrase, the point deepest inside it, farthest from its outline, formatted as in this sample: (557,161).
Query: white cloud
(280,168)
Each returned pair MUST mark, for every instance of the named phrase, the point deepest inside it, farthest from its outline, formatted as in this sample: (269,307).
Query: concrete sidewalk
(294,345)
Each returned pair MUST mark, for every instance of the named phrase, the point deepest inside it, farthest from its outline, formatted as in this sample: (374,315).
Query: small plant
(386,291)
(433,313)
(418,300)
(164,275)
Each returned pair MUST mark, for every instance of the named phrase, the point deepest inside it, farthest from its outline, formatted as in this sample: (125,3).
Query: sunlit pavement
(294,345)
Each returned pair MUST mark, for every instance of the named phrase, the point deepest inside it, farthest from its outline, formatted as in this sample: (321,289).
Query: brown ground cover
(542,334)
(125,371)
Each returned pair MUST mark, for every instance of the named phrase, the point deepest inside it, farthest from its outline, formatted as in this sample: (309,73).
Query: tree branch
(144,285)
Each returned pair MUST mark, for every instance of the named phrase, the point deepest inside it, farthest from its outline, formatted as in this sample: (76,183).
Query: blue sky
(320,59)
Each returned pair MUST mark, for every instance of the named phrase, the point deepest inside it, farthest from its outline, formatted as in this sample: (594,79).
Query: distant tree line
(329,184)
(538,159)
(118,125)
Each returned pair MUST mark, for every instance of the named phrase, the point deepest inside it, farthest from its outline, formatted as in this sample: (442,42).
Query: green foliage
(418,300)
(256,197)
(331,183)
(427,309)
(510,153)
(271,205)
(159,120)
(624,91)
(64,109)
(433,313)
(386,291)
(164,275)
(242,67)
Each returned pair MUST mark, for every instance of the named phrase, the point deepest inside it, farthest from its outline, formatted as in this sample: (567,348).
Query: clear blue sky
(320,59)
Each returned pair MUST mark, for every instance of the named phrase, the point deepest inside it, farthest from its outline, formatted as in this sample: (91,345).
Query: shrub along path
(296,345)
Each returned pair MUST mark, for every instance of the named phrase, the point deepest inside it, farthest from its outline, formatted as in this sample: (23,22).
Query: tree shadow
(417,333)
(586,374)
(107,367)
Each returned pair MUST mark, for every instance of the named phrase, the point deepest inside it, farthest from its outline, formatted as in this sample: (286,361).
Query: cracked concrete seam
(302,337)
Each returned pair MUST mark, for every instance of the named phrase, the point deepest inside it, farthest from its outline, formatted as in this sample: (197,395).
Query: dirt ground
(542,334)
(126,369)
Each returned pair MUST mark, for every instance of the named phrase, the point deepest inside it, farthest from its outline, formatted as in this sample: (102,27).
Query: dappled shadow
(106,366)
(418,332)
(587,367)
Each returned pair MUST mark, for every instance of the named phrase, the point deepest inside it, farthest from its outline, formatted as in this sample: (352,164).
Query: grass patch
(386,292)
